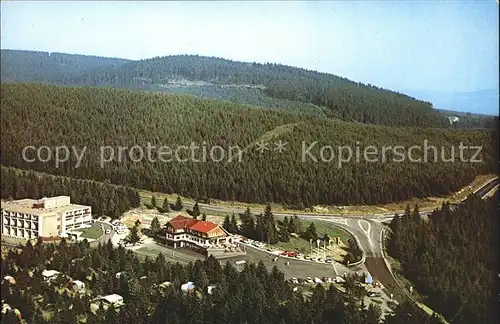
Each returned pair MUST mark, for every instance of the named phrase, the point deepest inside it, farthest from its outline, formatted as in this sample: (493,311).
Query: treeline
(251,295)
(93,118)
(264,228)
(341,97)
(452,258)
(254,97)
(36,66)
(105,198)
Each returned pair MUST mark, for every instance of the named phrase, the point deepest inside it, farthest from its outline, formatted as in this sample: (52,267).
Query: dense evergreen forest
(249,295)
(452,258)
(38,115)
(30,66)
(337,96)
(105,198)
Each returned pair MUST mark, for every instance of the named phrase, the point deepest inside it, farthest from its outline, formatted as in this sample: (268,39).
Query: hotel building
(195,234)
(46,218)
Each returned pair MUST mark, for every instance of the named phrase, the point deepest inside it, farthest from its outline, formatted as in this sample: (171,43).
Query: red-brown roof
(182,222)
(203,227)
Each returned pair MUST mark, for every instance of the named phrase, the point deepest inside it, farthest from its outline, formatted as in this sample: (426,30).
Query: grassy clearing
(93,232)
(428,203)
(303,246)
(153,253)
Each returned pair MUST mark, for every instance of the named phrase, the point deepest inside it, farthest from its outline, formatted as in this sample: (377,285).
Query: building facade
(195,234)
(47,218)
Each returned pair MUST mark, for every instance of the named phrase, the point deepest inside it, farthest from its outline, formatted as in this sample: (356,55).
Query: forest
(31,66)
(251,294)
(41,115)
(104,198)
(452,258)
(337,96)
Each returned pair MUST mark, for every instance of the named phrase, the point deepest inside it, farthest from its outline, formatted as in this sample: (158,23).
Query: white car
(309,280)
(108,231)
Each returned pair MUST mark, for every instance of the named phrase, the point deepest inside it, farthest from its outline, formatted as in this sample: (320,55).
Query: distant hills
(266,85)
(482,102)
(30,66)
(270,86)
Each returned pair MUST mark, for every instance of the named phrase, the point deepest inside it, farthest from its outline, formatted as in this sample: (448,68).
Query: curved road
(368,231)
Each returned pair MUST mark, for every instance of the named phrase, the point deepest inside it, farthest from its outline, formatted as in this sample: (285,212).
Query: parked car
(284,253)
(309,280)
(108,231)
(292,254)
(295,280)
(314,259)
(329,260)
(373,294)
(320,259)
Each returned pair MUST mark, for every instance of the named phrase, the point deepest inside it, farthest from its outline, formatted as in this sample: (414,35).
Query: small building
(113,300)
(77,285)
(210,289)
(6,308)
(49,275)
(10,280)
(187,287)
(165,284)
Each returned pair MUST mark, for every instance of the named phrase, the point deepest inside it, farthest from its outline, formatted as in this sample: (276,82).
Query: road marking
(335,220)
(366,231)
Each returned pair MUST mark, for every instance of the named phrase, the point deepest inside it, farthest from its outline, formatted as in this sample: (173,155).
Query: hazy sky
(429,45)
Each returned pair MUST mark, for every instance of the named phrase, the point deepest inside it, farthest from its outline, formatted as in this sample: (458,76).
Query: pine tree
(234,224)
(204,217)
(310,233)
(227,224)
(153,202)
(155,225)
(165,206)
(285,234)
(178,204)
(134,235)
(196,210)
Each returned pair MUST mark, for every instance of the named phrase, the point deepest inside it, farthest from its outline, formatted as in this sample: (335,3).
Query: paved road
(368,231)
(296,268)
(105,237)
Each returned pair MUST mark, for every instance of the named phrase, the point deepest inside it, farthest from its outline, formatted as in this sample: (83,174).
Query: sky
(448,46)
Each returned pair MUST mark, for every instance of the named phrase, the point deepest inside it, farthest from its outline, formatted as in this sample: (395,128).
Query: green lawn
(153,253)
(302,246)
(93,232)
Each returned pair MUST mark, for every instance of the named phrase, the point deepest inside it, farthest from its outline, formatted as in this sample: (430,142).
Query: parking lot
(295,268)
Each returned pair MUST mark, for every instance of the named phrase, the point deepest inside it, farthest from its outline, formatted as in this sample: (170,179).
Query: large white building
(46,218)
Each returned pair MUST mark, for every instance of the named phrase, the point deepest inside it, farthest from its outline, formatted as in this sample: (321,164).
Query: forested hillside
(453,258)
(251,295)
(279,84)
(105,199)
(29,66)
(36,115)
